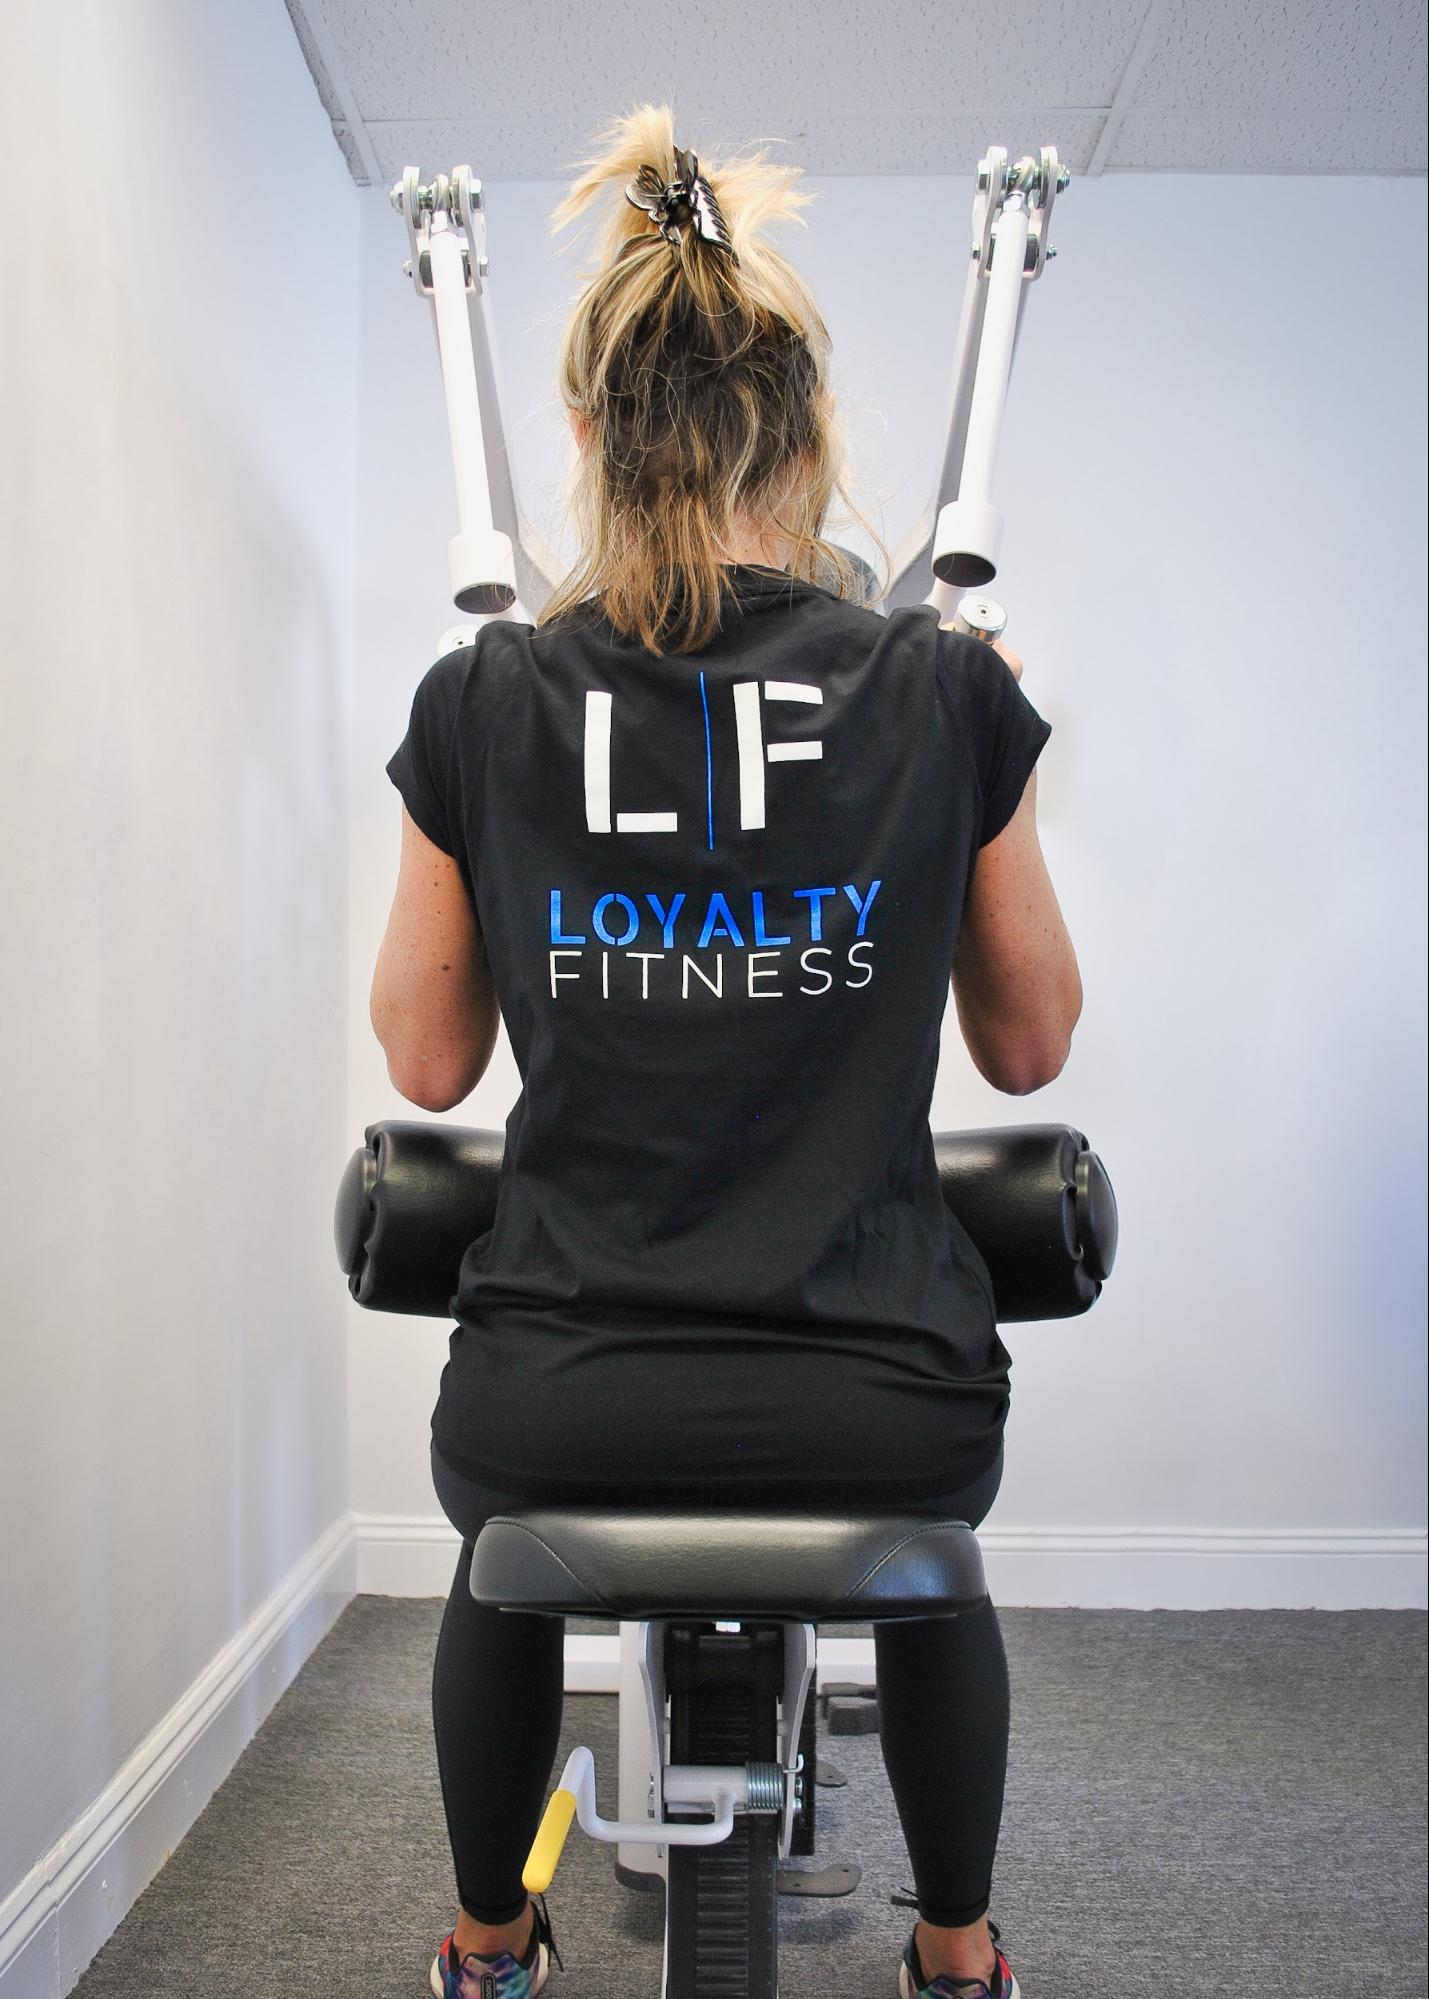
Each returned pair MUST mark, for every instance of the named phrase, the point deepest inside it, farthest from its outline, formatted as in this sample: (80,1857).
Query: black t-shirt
(720,894)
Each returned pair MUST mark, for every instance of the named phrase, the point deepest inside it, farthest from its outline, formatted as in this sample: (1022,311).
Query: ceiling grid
(881,86)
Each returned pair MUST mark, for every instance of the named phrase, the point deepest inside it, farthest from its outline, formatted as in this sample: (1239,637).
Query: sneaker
(914,1984)
(502,1976)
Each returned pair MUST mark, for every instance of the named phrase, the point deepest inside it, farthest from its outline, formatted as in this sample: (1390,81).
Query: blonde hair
(704,383)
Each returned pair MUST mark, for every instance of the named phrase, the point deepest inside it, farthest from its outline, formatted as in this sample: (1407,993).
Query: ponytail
(703,379)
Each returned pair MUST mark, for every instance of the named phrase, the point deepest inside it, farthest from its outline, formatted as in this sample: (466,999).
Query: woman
(715,838)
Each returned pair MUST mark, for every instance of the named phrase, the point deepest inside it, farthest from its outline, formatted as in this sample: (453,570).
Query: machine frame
(502,566)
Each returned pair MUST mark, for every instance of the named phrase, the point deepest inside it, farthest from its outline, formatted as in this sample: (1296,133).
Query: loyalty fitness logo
(691,945)
(620,922)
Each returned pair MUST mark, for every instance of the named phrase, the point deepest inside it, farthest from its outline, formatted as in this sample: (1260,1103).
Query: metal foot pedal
(837,1879)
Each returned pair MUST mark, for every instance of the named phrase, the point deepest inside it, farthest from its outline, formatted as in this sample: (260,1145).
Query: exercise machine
(723,1608)
(719,1612)
(501,566)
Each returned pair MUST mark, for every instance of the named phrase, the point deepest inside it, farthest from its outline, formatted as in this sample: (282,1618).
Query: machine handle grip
(982,616)
(550,1840)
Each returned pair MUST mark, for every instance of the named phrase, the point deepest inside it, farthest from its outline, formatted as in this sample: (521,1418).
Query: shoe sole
(543,1972)
(905,1986)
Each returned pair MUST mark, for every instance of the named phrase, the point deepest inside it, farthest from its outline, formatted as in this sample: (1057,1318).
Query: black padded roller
(410,1204)
(1038,1204)
(1035,1200)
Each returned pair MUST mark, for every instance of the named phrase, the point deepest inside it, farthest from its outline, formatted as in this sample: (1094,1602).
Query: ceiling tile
(768,60)
(1344,142)
(1283,56)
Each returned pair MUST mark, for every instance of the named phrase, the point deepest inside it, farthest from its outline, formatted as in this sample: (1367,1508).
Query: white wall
(177,352)
(1213,474)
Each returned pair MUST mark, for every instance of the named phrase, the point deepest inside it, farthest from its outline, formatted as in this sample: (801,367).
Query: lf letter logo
(749,741)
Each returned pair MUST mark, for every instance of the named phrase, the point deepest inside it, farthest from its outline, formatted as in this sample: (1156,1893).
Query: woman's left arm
(433,1004)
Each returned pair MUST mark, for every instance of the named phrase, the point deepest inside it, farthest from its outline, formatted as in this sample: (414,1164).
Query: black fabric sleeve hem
(423,765)
(1000,808)
(399,769)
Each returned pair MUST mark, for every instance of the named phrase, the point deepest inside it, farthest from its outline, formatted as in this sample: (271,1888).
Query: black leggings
(497,1686)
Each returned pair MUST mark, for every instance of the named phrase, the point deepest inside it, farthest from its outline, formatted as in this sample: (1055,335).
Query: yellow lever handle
(550,1839)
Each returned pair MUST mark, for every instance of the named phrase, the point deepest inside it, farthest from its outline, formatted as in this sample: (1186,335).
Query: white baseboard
(593,1663)
(74,1898)
(1091,1568)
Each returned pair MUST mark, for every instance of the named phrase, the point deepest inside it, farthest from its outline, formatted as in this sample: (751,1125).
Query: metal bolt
(395,196)
(1051,253)
(976,250)
(982,179)
(1064,179)
(483,264)
(407,268)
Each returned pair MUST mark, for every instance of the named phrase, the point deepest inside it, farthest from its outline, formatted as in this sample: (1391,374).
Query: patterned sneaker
(914,1984)
(502,1976)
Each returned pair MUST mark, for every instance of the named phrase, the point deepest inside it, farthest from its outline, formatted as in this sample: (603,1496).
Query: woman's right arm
(1015,976)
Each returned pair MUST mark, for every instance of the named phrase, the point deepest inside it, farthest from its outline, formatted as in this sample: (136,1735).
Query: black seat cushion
(591,1561)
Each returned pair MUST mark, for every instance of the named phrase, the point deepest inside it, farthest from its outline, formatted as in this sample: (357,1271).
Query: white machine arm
(962,529)
(498,558)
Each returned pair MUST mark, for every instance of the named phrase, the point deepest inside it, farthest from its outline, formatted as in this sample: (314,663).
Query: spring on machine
(766,1787)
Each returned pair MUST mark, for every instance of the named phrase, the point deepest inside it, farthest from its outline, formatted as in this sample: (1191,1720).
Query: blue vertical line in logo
(709,767)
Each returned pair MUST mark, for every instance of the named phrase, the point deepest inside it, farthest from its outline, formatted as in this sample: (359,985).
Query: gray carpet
(1199,1804)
